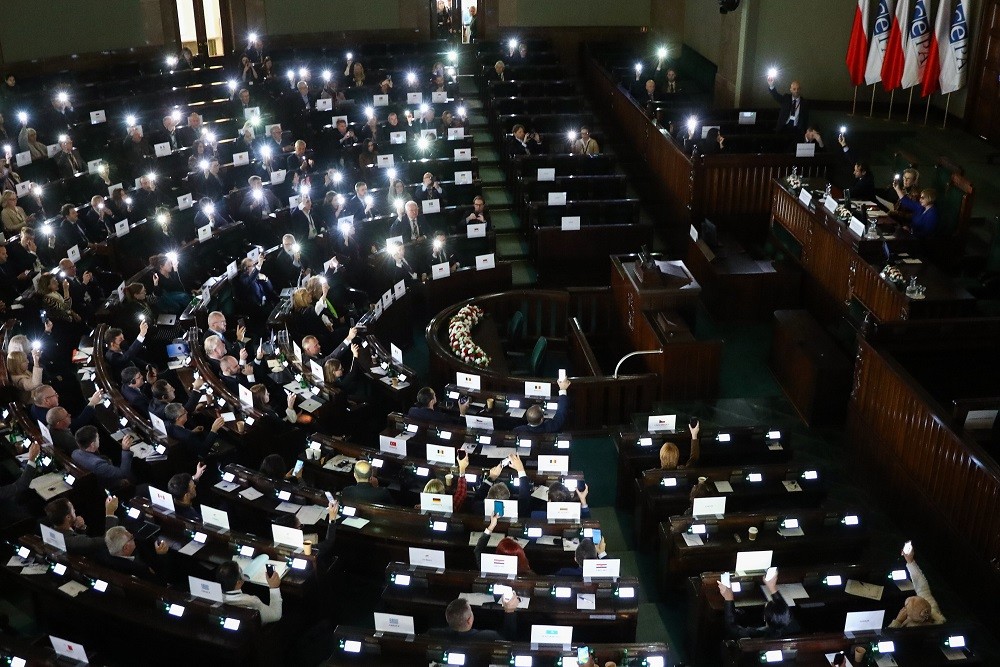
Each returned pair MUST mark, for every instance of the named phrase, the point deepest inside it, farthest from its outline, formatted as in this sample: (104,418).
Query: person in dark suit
(648,94)
(477,214)
(367,489)
(438,253)
(61,516)
(135,390)
(197,442)
(71,232)
(536,418)
(85,294)
(170,134)
(793,113)
(9,509)
(121,555)
(89,458)
(192,131)
(184,488)
(473,25)
(359,204)
(522,143)
(424,409)
(163,394)
(587,550)
(460,620)
(258,203)
(300,160)
(119,359)
(69,163)
(285,266)
(231,375)
(254,289)
(242,103)
(863,186)
(99,221)
(146,198)
(778,619)
(497,73)
(303,224)
(312,350)
(136,151)
(212,183)
(409,224)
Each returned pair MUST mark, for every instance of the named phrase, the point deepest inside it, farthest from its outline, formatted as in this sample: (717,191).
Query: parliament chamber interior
(500,332)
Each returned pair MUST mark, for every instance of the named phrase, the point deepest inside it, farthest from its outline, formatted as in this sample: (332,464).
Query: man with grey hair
(122,556)
(197,442)
(217,327)
(58,421)
(215,350)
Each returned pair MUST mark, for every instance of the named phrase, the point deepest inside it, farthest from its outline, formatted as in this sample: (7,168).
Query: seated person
(231,579)
(479,214)
(559,493)
(119,359)
(135,390)
(523,143)
(586,550)
(438,252)
(863,186)
(88,457)
(490,489)
(184,488)
(121,555)
(924,219)
(460,620)
(366,490)
(584,144)
(58,421)
(162,394)
(60,515)
(670,455)
(921,608)
(9,509)
(535,415)
(197,441)
(44,398)
(778,619)
(424,410)
(506,547)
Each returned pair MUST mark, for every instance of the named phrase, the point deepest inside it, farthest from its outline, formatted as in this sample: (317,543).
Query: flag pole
(928,110)
(892,94)
(871,111)
(909,104)
(854,107)
(947,102)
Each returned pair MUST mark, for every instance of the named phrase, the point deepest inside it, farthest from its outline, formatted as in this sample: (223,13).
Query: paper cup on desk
(241,426)
(859,654)
(449,479)
(752,533)
(702,480)
(307,547)
(489,403)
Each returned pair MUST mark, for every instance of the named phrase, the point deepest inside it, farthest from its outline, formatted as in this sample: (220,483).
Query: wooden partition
(731,190)
(945,487)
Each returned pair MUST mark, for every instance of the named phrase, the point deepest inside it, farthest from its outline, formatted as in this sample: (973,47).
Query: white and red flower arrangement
(460,336)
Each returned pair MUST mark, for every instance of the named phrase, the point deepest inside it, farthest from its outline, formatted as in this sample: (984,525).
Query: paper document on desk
(886,660)
(953,653)
(256,572)
(791,532)
(250,494)
(693,540)
(547,540)
(672,268)
(37,568)
(863,590)
(830,657)
(341,462)
(191,548)
(586,601)
(310,404)
(73,588)
(228,487)
(790,593)
(911,260)
(494,452)
(49,486)
(492,542)
(723,487)
(477,599)
(541,492)
(288,508)
(356,522)
(570,545)
(791,485)
(516,413)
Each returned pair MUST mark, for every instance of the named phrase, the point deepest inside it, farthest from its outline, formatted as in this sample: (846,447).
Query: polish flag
(932,70)
(892,65)
(917,45)
(879,41)
(954,50)
(857,48)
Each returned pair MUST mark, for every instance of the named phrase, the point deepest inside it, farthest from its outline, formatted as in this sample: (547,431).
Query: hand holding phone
(772,574)
(498,507)
(726,579)
(907,548)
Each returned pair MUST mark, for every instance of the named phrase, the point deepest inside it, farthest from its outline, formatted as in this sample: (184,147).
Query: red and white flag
(954,50)
(892,65)
(879,41)
(857,48)
(938,40)
(918,43)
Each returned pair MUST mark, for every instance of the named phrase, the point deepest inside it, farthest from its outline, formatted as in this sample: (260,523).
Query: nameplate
(324,104)
(431,206)
(23,158)
(857,226)
(463,154)
(386,299)
(661,423)
(185,201)
(395,354)
(546,174)
(94,166)
(241,159)
(538,389)
(484,262)
(121,228)
(748,118)
(98,117)
(476,231)
(337,119)
(204,233)
(557,199)
(250,112)
(397,137)
(463,178)
(380,100)
(428,134)
(278,177)
(294,200)
(805,196)
(51,150)
(468,381)
(442,270)
(456,133)
(414,98)
(571,223)
(385,160)
(22,188)
(270,126)
(439,97)
(398,290)
(706,128)
(73,254)
(805,149)
(830,204)
(162,149)
(693,233)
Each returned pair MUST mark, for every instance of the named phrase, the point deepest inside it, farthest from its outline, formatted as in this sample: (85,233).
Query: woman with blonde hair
(13,216)
(23,379)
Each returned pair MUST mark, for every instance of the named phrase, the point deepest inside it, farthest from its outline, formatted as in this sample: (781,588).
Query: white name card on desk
(51,150)
(398,290)
(557,199)
(93,166)
(386,299)
(394,445)
(538,389)
(805,196)
(427,558)
(185,201)
(384,161)
(456,132)
(553,463)
(857,226)
(980,419)
(400,625)
(428,134)
(324,104)
(463,178)
(601,567)
(661,423)
(439,97)
(121,228)
(73,254)
(463,154)
(436,502)
(288,536)
(546,174)
(441,454)
(497,564)
(293,201)
(397,138)
(486,262)
(158,425)
(693,233)
(53,538)
(204,233)
(23,158)
(69,650)
(571,223)
(161,499)
(250,112)
(468,381)
(476,231)
(214,517)
(414,98)
(278,177)
(162,149)
(241,159)
(562,511)
(830,204)
(442,270)
(380,100)
(98,117)
(22,188)
(395,353)
(431,206)
(805,149)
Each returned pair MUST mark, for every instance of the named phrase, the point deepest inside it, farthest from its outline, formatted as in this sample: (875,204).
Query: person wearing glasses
(924,220)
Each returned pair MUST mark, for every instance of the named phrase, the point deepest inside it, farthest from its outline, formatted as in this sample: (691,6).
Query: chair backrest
(538,354)
(515,327)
